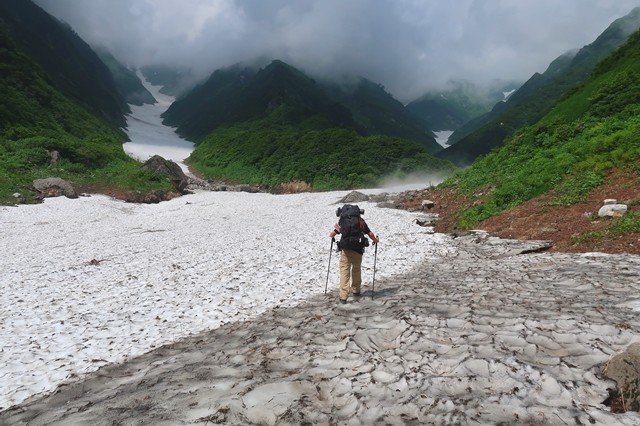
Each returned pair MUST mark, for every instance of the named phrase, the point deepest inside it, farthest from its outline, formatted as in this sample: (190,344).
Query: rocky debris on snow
(387,205)
(624,368)
(412,200)
(204,185)
(54,187)
(152,197)
(611,208)
(379,198)
(195,183)
(427,219)
(385,200)
(252,189)
(169,169)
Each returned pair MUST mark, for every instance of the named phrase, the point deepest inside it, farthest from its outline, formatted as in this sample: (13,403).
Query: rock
(151,197)
(54,187)
(19,198)
(247,188)
(609,201)
(612,210)
(387,205)
(428,204)
(624,368)
(353,197)
(200,184)
(379,198)
(195,183)
(54,157)
(169,169)
(427,220)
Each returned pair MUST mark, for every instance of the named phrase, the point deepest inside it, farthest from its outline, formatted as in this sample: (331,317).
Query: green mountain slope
(127,82)
(37,119)
(210,105)
(569,151)
(537,96)
(376,112)
(239,94)
(279,149)
(70,65)
(459,103)
(275,124)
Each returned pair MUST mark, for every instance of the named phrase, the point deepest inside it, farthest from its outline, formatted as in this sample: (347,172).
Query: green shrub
(625,225)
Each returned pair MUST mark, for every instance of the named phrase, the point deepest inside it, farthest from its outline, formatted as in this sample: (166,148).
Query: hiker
(352,229)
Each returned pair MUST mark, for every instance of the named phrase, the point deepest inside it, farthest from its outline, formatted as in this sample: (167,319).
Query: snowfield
(95,280)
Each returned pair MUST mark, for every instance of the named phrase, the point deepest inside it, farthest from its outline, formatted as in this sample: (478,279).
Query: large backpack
(351,228)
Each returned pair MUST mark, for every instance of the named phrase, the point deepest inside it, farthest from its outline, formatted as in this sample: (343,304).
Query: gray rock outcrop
(54,187)
(353,197)
(168,168)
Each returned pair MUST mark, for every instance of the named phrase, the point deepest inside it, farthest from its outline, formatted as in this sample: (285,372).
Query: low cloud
(409,46)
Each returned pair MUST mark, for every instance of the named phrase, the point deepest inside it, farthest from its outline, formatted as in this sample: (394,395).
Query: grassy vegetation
(568,152)
(619,226)
(93,161)
(270,151)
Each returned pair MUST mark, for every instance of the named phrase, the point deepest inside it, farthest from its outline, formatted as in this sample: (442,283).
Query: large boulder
(624,368)
(611,208)
(54,187)
(169,169)
(427,204)
(354,197)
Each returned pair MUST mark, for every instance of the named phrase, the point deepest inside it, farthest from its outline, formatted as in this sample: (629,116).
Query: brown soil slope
(567,227)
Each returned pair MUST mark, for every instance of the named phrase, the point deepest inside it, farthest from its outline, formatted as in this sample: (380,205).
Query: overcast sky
(407,45)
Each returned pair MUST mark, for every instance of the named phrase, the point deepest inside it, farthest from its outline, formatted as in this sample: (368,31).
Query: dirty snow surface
(94,280)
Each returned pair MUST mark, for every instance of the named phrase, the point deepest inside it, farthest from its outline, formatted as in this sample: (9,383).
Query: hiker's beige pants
(350,262)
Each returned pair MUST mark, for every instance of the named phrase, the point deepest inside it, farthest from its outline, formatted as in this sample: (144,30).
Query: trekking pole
(329,267)
(375,258)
